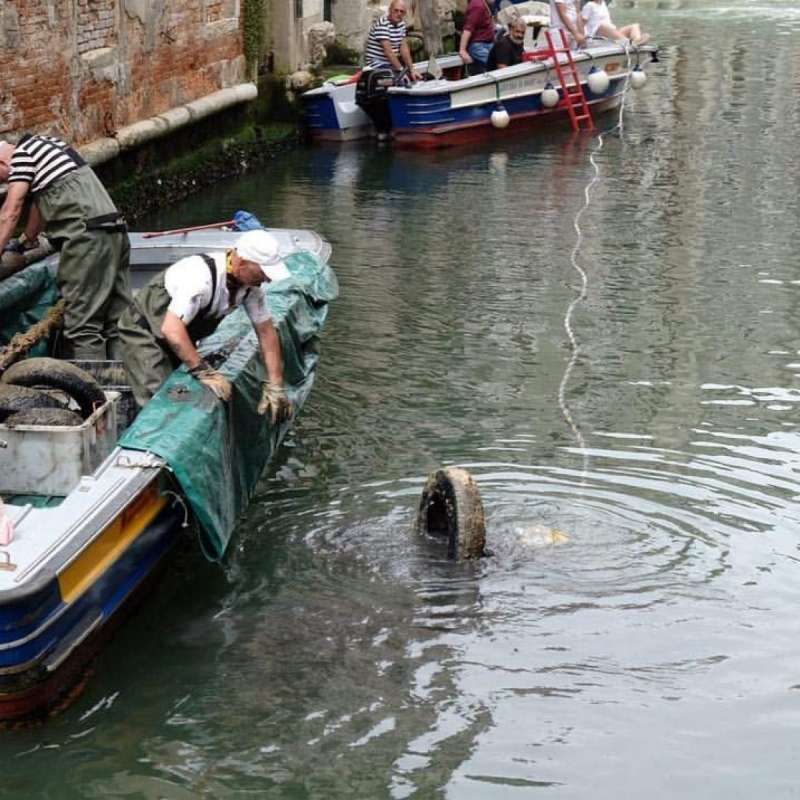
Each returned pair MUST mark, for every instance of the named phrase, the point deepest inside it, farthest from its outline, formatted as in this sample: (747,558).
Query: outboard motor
(372,92)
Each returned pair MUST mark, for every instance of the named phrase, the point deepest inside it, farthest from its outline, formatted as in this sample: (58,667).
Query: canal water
(654,652)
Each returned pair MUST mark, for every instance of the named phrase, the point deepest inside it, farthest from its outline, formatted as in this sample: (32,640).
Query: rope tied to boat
(584,286)
(178,501)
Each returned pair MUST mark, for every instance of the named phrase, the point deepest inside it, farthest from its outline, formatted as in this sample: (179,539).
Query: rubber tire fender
(23,398)
(451,507)
(56,374)
(60,417)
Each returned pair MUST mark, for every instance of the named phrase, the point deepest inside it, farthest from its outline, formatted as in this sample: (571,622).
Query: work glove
(275,402)
(214,380)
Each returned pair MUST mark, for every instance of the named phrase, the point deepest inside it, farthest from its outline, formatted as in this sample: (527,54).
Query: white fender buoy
(500,118)
(598,80)
(638,78)
(549,96)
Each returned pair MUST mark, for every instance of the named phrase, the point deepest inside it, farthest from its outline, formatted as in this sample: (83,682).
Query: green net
(24,300)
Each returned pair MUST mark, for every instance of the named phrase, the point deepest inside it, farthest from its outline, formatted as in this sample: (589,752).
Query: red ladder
(574,98)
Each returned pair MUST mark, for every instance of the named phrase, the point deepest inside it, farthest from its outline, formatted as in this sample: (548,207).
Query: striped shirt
(40,160)
(383,28)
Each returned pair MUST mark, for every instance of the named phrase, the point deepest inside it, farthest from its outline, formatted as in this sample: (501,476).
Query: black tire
(61,417)
(451,508)
(55,374)
(23,398)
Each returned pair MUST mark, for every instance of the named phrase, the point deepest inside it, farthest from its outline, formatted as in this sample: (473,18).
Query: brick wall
(85,68)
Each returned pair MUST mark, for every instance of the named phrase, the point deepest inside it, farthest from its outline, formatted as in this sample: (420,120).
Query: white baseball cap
(262,248)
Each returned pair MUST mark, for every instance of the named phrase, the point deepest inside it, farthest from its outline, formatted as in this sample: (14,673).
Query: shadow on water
(653,648)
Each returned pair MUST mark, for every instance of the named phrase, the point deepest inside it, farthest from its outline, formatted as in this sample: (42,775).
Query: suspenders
(212,268)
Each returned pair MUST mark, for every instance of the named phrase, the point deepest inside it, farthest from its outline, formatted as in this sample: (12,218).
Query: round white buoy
(500,118)
(638,78)
(598,80)
(549,96)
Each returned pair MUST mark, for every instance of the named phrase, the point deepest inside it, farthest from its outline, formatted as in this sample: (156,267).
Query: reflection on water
(653,649)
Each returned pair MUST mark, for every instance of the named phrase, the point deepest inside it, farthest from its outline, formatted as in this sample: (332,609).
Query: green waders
(81,220)
(149,360)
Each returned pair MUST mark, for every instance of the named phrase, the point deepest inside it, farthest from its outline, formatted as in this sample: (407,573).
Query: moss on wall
(253,13)
(221,146)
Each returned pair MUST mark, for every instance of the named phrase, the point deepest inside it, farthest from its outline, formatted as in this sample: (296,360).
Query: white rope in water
(581,296)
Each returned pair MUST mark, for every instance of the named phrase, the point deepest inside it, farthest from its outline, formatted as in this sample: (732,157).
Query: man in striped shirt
(69,203)
(386,42)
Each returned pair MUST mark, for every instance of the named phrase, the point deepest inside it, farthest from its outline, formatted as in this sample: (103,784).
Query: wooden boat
(96,507)
(457,109)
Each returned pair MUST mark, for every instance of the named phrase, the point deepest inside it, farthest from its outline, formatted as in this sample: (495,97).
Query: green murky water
(656,651)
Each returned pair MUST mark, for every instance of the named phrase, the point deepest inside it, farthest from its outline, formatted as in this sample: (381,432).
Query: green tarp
(24,299)
(218,451)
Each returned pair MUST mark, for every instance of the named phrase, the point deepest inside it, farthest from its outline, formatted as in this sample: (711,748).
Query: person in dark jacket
(508,47)
(71,206)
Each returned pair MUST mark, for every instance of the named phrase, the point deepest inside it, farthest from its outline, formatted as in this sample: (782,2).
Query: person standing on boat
(509,48)
(387,45)
(187,302)
(70,205)
(477,35)
(564,16)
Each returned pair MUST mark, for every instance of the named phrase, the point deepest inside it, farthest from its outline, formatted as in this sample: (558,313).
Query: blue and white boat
(456,109)
(443,112)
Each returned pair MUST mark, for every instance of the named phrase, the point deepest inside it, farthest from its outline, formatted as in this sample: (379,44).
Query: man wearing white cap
(187,302)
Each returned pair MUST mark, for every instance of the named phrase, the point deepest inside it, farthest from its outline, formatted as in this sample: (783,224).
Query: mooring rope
(581,296)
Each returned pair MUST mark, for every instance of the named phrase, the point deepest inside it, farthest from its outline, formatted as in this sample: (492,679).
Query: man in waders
(187,302)
(72,207)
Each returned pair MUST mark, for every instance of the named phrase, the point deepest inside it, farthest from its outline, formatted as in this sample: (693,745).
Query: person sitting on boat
(387,45)
(564,16)
(71,206)
(508,48)
(477,35)
(187,302)
(598,22)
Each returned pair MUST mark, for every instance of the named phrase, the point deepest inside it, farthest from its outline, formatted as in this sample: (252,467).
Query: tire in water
(451,508)
(52,373)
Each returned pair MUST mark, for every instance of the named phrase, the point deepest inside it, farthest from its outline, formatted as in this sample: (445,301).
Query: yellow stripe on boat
(114,540)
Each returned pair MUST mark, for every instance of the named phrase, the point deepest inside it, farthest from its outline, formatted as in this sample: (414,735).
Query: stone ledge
(131,136)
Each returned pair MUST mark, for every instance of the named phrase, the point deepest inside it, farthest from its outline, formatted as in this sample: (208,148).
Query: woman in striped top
(386,42)
(76,214)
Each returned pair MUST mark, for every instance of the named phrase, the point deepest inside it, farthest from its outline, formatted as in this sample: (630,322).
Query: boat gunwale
(523,69)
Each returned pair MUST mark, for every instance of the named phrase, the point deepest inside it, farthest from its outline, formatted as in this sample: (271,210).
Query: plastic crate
(50,459)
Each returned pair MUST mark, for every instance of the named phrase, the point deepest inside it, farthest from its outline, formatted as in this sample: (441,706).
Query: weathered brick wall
(85,68)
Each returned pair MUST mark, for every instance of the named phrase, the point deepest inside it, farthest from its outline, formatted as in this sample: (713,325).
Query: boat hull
(52,630)
(331,114)
(479,127)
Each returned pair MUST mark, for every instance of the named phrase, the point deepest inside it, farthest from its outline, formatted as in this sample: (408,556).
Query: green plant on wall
(253,23)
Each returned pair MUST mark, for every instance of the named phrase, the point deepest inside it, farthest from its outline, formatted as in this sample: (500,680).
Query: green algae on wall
(213,149)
